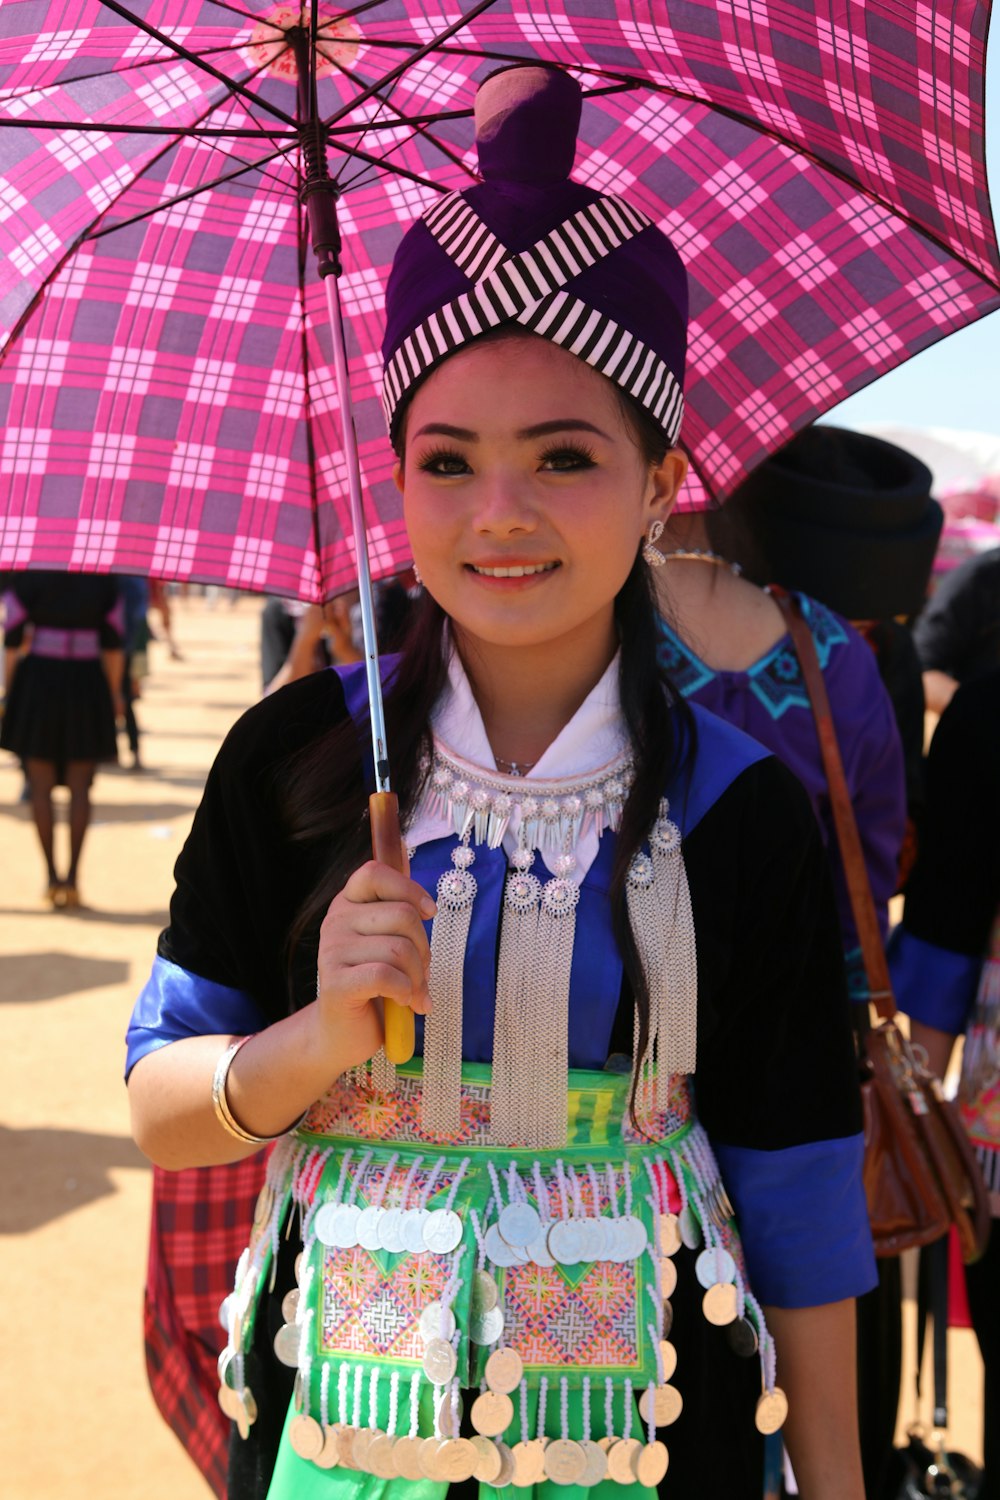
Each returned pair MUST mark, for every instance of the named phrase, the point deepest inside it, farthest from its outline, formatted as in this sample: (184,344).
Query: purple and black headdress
(531,248)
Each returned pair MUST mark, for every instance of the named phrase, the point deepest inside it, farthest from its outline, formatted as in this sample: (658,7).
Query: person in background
(64,664)
(847,520)
(135,596)
(958,634)
(945,964)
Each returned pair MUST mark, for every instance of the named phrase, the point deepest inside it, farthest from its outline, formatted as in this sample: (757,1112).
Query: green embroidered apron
(528,1290)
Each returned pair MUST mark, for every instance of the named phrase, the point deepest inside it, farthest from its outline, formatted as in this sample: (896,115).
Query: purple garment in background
(769,702)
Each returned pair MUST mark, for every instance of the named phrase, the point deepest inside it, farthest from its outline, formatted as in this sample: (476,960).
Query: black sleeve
(776,1062)
(239,881)
(954,891)
(947,633)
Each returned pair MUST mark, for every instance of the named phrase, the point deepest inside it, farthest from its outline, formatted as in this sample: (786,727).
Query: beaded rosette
(465,1311)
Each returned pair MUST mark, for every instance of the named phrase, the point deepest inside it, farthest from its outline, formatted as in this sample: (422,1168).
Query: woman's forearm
(817,1371)
(277,1075)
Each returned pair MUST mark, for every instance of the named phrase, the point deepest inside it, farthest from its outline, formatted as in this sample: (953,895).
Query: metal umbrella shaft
(319,195)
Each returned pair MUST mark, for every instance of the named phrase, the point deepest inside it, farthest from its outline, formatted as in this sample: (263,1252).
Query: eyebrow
(541,429)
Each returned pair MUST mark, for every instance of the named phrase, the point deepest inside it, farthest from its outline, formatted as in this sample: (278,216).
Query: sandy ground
(76,1417)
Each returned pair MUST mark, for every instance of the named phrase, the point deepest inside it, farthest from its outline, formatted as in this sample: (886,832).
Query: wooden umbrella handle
(387,847)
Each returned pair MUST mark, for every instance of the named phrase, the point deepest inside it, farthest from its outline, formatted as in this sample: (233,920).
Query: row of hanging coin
(557,1228)
(727,1302)
(409,1225)
(537,1456)
(235,1396)
(483,806)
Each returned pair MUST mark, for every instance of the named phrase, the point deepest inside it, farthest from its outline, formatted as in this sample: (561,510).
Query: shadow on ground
(48,976)
(50,1172)
(156,919)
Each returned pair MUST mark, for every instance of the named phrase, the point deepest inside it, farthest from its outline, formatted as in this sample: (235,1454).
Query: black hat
(846,518)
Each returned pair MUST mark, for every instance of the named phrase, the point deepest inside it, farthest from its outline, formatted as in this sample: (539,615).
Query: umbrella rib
(192,57)
(401,68)
(203,187)
(177,133)
(137,62)
(417,127)
(384,165)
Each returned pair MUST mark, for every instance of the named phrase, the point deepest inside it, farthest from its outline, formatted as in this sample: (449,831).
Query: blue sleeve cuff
(932,984)
(175,1004)
(803,1220)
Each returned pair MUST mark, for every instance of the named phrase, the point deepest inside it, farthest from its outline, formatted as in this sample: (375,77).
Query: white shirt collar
(594,737)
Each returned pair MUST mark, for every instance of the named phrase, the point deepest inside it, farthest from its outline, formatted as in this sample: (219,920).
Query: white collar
(595,737)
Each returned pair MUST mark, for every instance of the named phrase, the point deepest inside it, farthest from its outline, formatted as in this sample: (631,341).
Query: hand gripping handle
(387,848)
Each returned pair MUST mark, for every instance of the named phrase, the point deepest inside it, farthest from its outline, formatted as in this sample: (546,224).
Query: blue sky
(957,382)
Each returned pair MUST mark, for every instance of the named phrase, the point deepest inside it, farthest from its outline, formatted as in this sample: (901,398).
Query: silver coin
(437,1321)
(488,1460)
(381,1456)
(690,1228)
(329,1455)
(442,1231)
(412,1236)
(224,1308)
(713,1266)
(324,1224)
(440,1362)
(506,1475)
(668,1278)
(286,1345)
(720,1304)
(622,1455)
(230,1401)
(363,1438)
(772,1409)
(263,1206)
(668,1318)
(406,1458)
(661,1405)
(367,1227)
(456,1460)
(344,1226)
(564,1242)
(305,1435)
(519,1224)
(448,1412)
(565,1461)
(290,1304)
(299,1259)
(593,1239)
(428,1454)
(485,1292)
(742,1336)
(246,1416)
(390,1231)
(668,1360)
(487,1327)
(504,1370)
(529,1463)
(224,1364)
(498,1250)
(345,1445)
(492,1413)
(538,1251)
(634,1236)
(670,1234)
(651,1463)
(596,1464)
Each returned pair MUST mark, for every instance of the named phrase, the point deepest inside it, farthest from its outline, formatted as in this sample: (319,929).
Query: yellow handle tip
(400,1039)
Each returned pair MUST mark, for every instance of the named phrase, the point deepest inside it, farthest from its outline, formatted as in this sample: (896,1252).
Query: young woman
(513,1260)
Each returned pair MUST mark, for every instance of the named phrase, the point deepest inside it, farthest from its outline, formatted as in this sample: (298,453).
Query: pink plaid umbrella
(166,375)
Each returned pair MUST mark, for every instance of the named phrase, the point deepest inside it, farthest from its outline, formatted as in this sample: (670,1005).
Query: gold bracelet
(220,1102)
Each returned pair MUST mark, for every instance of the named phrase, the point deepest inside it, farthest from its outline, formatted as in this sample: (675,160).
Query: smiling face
(527,495)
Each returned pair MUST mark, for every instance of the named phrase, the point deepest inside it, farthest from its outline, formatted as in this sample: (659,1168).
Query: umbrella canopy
(166,384)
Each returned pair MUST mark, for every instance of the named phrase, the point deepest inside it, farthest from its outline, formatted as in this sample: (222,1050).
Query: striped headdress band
(529,288)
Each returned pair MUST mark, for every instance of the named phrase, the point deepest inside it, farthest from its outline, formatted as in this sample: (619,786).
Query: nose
(504,505)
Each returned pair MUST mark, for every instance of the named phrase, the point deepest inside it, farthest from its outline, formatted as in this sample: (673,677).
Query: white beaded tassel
(442,1076)
(659,907)
(516,973)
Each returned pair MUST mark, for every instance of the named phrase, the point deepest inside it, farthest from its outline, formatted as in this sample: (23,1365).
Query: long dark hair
(329,811)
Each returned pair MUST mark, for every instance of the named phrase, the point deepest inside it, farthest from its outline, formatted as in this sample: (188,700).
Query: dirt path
(76,1417)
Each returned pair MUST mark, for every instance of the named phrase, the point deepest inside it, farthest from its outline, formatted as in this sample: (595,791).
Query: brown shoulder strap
(855,872)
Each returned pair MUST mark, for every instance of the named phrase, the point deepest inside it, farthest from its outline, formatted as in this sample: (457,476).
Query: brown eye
(568,458)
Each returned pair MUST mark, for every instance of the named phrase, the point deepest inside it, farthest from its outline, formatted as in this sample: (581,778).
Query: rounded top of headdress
(527,120)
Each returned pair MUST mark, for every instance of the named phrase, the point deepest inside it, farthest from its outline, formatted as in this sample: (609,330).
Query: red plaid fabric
(200,1224)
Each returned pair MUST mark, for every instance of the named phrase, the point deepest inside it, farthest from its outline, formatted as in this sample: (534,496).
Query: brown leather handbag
(920,1172)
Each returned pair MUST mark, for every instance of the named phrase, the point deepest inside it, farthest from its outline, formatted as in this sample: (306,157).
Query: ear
(397,474)
(665,484)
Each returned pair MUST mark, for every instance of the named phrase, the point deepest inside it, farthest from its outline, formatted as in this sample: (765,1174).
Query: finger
(356,985)
(378,882)
(355,951)
(387,919)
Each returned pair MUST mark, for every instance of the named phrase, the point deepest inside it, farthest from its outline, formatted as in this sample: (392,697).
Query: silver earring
(650,552)
(416,577)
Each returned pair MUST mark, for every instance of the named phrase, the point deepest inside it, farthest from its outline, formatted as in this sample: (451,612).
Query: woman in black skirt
(63,641)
